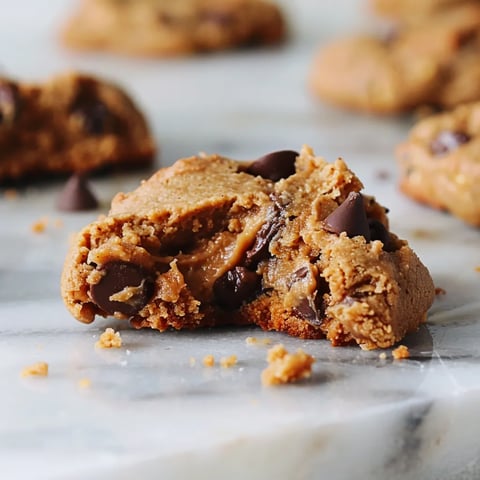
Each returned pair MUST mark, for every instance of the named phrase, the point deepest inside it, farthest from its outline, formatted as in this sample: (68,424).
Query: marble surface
(148,413)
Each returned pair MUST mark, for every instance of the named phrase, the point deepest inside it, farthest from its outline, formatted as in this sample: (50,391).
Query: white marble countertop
(148,413)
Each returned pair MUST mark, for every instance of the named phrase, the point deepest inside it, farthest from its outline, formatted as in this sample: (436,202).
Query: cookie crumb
(421,233)
(401,352)
(39,369)
(382,356)
(227,362)
(284,367)
(440,291)
(477,269)
(85,383)
(109,339)
(256,341)
(208,361)
(192,361)
(39,226)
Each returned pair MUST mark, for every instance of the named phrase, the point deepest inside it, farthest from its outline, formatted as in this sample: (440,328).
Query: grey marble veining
(149,413)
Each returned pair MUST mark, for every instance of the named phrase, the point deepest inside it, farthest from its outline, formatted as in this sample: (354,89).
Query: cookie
(166,27)
(440,162)
(286,242)
(430,63)
(71,123)
(412,10)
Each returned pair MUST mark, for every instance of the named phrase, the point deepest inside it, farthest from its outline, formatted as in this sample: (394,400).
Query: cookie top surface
(164,27)
(190,183)
(72,122)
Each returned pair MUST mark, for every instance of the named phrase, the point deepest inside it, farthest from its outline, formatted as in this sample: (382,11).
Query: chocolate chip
(165,18)
(274,166)
(312,308)
(96,118)
(8,104)
(223,19)
(390,35)
(260,248)
(299,275)
(76,195)
(379,232)
(446,141)
(349,217)
(119,276)
(235,287)
(307,310)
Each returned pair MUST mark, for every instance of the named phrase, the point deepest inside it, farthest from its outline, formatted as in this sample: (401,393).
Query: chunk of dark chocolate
(350,217)
(222,18)
(235,287)
(446,141)
(307,310)
(124,287)
(76,195)
(275,166)
(260,248)
(298,275)
(96,118)
(312,307)
(379,232)
(8,104)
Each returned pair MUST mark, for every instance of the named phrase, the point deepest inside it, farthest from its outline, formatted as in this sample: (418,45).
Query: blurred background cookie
(166,27)
(71,123)
(439,162)
(431,62)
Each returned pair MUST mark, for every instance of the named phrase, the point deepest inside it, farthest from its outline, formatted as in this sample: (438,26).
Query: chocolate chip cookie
(430,63)
(413,10)
(71,123)
(167,27)
(440,162)
(287,242)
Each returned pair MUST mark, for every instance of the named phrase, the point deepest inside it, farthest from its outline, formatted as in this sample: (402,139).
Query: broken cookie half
(287,242)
